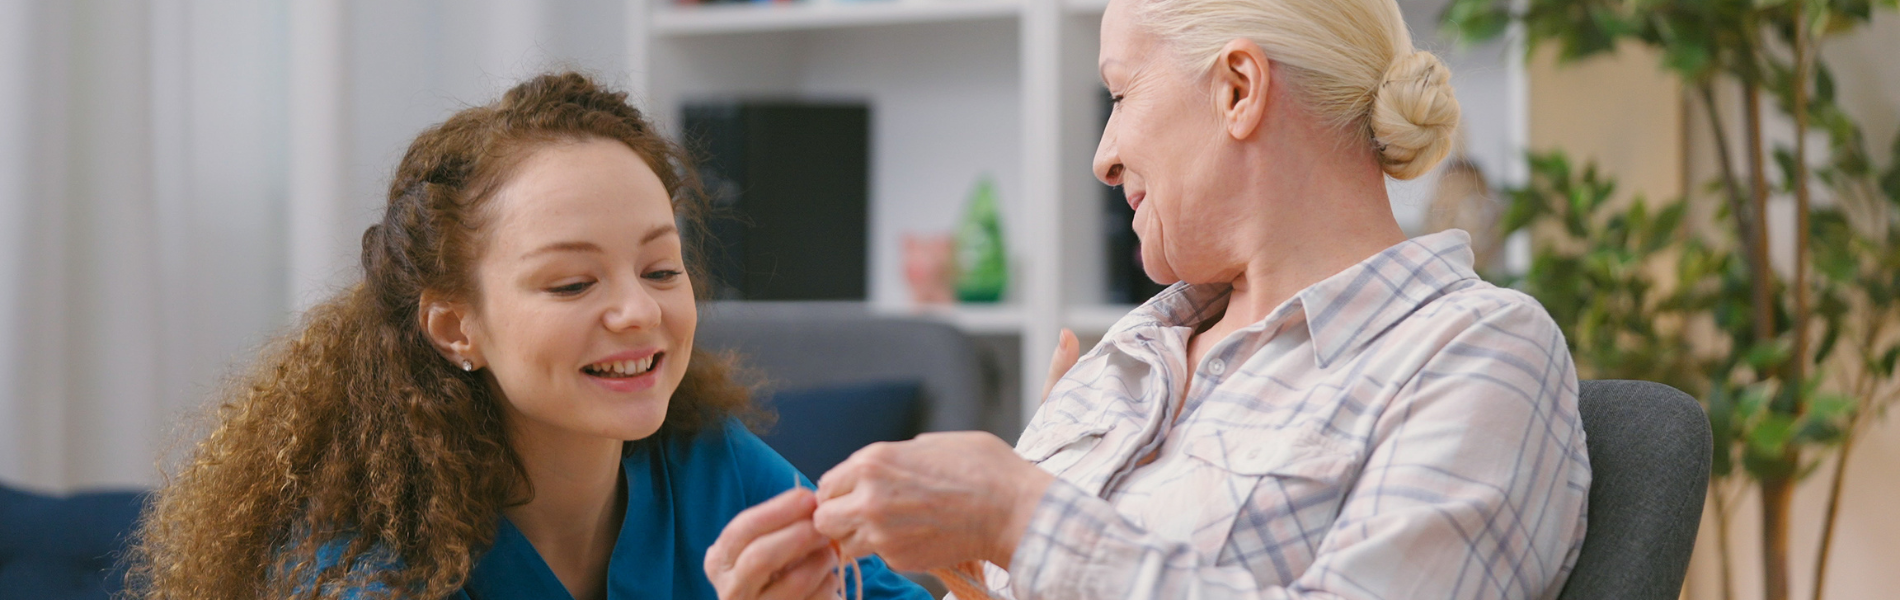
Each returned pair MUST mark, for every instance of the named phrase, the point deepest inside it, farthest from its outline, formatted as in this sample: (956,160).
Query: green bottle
(982,266)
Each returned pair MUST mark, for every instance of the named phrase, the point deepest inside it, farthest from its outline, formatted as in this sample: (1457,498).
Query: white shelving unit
(959,90)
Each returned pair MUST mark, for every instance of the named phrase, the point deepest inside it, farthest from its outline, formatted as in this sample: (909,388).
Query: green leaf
(1663,228)
(1769,355)
(1887,361)
(1721,411)
(1784,159)
(1526,206)
(1770,436)
(1825,420)
(1823,84)
(1890,181)
(1751,400)
(1477,21)
(1831,407)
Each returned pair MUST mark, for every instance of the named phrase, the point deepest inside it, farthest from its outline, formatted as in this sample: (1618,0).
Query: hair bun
(1414,115)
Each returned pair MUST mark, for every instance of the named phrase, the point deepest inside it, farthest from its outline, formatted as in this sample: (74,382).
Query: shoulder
(727,443)
(1482,311)
(361,579)
(1486,337)
(727,456)
(1480,334)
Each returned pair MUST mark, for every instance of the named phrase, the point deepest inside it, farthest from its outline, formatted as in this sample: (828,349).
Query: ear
(1241,80)
(450,328)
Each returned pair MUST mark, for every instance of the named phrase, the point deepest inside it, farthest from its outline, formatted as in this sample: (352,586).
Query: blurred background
(179,178)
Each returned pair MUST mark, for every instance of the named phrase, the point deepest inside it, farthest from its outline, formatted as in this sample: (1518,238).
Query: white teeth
(623,367)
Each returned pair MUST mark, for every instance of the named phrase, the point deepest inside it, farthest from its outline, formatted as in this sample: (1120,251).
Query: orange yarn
(845,564)
(965,580)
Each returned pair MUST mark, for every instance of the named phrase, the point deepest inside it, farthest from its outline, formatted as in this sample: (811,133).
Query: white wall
(145,202)
(1492,130)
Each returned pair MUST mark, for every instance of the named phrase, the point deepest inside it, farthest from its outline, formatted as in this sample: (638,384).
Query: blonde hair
(1352,59)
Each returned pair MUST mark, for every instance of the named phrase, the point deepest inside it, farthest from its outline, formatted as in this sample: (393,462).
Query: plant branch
(1834,502)
(1865,386)
(1797,368)
(1761,274)
(1719,498)
(1732,191)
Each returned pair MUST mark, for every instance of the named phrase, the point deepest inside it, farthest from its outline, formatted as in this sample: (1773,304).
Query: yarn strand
(965,579)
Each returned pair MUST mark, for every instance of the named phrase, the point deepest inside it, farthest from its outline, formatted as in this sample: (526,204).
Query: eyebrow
(564,247)
(657,232)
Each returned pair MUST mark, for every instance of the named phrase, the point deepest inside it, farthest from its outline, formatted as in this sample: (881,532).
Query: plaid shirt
(1401,429)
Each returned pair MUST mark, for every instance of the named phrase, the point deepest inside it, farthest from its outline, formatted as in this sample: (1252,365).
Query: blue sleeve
(766,474)
(366,566)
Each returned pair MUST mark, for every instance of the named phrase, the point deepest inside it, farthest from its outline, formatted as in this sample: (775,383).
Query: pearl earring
(468,365)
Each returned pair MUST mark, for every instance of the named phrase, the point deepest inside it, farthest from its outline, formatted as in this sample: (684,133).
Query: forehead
(595,190)
(1123,43)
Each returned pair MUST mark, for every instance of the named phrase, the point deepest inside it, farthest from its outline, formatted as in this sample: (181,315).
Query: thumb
(1067,351)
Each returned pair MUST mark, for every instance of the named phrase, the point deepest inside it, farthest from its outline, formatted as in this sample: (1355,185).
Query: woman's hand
(1068,350)
(771,552)
(934,501)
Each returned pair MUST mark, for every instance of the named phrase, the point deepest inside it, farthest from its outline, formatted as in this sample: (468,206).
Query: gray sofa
(809,344)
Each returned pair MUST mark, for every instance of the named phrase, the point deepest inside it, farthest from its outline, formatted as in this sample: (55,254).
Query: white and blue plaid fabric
(1401,429)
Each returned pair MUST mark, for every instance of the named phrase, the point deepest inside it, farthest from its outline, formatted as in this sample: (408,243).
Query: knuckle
(877,453)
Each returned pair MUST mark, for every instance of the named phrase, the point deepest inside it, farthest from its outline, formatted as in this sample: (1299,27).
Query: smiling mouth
(622,369)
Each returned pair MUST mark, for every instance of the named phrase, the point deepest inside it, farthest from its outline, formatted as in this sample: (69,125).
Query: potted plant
(1805,360)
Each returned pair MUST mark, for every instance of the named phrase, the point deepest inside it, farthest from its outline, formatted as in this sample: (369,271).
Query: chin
(634,431)
(635,421)
(1157,269)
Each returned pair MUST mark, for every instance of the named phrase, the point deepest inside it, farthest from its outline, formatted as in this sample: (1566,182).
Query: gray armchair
(1649,460)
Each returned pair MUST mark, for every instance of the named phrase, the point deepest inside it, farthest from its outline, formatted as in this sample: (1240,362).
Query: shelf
(1085,7)
(710,19)
(1097,319)
(974,319)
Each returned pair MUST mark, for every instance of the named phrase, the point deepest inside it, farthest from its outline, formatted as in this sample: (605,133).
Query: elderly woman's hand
(1068,351)
(771,551)
(935,501)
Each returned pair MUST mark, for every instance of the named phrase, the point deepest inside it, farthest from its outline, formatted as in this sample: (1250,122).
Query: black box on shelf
(789,184)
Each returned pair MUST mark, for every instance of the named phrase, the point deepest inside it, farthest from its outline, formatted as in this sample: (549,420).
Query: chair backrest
(801,345)
(1649,472)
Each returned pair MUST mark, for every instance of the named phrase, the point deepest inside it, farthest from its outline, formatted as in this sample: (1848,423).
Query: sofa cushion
(819,427)
(64,547)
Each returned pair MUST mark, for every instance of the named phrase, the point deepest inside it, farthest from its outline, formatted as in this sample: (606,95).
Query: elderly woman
(1319,408)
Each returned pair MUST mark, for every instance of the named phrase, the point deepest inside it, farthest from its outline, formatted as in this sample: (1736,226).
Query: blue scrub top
(681,492)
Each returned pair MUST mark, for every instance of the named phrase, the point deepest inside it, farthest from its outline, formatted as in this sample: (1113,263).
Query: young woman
(509,405)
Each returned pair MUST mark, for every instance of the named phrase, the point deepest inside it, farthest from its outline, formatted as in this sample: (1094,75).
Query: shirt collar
(1343,312)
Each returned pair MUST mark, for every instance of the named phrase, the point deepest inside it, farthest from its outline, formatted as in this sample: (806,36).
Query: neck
(575,515)
(1328,212)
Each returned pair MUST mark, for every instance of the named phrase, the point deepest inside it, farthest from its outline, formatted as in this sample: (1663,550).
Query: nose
(633,307)
(1108,159)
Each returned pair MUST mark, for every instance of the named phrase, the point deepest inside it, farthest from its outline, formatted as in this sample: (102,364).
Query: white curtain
(178,177)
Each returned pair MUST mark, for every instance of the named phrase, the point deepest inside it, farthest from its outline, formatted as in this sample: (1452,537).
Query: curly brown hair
(353,427)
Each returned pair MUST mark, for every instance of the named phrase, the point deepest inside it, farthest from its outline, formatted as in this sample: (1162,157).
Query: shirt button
(1216,366)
